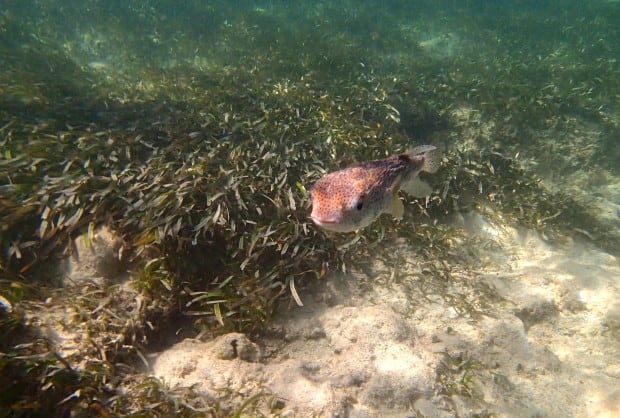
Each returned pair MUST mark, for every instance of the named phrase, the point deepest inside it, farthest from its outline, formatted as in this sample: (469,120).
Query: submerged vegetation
(194,132)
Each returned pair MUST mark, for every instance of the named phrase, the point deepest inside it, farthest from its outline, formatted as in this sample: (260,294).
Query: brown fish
(352,198)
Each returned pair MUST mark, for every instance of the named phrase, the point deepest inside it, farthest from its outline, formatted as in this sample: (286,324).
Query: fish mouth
(330,224)
(322,221)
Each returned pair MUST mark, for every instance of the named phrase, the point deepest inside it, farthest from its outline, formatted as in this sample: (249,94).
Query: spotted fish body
(352,198)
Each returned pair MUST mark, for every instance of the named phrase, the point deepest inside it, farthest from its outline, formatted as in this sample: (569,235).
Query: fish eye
(359,205)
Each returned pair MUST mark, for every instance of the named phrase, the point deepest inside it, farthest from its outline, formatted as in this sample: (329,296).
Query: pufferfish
(352,198)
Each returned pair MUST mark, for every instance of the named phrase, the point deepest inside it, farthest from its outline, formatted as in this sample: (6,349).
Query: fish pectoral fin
(397,209)
(416,187)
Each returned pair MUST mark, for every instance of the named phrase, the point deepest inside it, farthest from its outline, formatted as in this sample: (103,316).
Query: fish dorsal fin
(429,153)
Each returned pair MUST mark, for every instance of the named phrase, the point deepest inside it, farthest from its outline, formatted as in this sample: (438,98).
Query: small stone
(316,333)
(236,345)
(613,370)
(95,260)
(535,310)
(573,305)
(426,408)
(310,367)
(277,404)
(612,319)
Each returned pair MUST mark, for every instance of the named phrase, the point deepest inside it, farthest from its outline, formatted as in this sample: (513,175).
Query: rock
(202,365)
(613,371)
(315,333)
(612,320)
(236,345)
(428,409)
(95,260)
(534,310)
(573,304)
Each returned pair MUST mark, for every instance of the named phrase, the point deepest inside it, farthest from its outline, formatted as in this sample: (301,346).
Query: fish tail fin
(430,154)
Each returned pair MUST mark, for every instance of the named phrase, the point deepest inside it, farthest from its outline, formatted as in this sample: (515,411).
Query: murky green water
(194,130)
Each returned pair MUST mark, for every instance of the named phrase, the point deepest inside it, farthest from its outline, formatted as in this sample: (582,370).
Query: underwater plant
(201,166)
